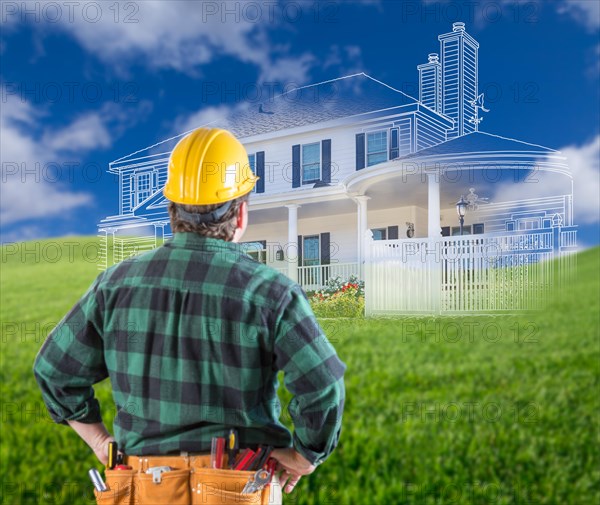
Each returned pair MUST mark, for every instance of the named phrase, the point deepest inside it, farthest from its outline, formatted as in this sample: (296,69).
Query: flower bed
(339,298)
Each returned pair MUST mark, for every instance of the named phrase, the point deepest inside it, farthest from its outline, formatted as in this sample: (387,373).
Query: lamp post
(461,210)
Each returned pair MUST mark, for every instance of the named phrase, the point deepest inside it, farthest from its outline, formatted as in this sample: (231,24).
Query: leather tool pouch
(180,486)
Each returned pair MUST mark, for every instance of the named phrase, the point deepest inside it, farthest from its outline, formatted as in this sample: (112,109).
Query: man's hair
(224,228)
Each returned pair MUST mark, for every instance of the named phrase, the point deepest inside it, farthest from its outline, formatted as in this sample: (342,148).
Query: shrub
(337,284)
(339,298)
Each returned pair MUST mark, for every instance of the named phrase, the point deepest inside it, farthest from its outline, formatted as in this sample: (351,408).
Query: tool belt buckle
(156,472)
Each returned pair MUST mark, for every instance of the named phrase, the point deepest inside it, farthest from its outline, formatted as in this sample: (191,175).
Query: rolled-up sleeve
(71,360)
(313,374)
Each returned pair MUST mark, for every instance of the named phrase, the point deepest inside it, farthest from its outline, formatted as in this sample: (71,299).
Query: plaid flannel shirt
(192,335)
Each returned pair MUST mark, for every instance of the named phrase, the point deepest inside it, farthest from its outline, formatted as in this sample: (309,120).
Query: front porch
(394,226)
(488,273)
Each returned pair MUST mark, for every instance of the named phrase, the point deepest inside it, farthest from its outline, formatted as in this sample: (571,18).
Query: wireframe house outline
(359,178)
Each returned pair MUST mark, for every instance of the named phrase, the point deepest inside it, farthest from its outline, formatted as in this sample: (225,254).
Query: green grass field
(477,409)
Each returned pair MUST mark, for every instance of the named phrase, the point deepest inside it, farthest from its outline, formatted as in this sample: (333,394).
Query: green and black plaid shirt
(192,335)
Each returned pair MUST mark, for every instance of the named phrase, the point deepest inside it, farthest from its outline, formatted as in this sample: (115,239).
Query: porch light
(461,210)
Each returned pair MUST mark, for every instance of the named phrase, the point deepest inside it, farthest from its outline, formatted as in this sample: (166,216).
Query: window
(143,187)
(529,223)
(466,230)
(252,160)
(379,233)
(310,250)
(478,229)
(311,163)
(377,147)
(256,250)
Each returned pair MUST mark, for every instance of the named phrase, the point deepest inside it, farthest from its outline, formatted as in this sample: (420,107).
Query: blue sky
(85,84)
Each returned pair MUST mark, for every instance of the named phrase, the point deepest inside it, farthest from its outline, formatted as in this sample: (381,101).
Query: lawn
(474,409)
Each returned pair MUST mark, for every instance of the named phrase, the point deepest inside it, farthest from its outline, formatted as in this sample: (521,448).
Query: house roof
(316,103)
(480,142)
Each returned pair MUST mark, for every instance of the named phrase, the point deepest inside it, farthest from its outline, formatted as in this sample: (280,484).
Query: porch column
(362,226)
(111,237)
(159,233)
(433,205)
(293,240)
(103,261)
(434,233)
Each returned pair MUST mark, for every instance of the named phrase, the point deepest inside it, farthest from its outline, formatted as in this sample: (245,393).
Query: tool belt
(191,481)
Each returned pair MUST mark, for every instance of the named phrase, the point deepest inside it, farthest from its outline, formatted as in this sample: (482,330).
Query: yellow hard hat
(207,167)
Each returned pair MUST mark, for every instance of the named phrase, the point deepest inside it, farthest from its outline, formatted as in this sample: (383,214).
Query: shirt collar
(190,240)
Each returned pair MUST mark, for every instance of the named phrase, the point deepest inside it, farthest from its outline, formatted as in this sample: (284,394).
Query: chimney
(459,61)
(430,83)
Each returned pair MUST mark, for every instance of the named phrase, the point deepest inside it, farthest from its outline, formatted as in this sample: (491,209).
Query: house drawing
(359,178)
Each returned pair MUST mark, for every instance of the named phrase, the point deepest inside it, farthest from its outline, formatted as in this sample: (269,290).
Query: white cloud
(86,132)
(204,116)
(347,60)
(585,166)
(183,35)
(26,190)
(23,233)
(290,70)
(586,12)
(33,155)
(25,200)
(585,169)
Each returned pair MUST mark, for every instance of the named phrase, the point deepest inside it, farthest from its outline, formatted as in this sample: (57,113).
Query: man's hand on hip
(293,466)
(96,436)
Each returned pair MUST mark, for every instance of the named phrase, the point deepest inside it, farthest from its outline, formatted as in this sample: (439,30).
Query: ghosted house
(359,178)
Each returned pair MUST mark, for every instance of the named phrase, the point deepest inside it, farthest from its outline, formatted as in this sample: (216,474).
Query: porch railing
(312,278)
(315,277)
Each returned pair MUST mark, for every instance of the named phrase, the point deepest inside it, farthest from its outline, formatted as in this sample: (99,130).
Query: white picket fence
(474,273)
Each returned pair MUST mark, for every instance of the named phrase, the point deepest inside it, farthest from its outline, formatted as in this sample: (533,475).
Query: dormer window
(141,187)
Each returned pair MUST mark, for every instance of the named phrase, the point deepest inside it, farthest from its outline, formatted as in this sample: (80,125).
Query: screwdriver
(233,444)
(112,454)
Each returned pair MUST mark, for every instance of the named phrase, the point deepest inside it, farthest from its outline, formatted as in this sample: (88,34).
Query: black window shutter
(445,231)
(299,250)
(325,249)
(394,147)
(296,166)
(360,151)
(260,171)
(326,160)
(392,233)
